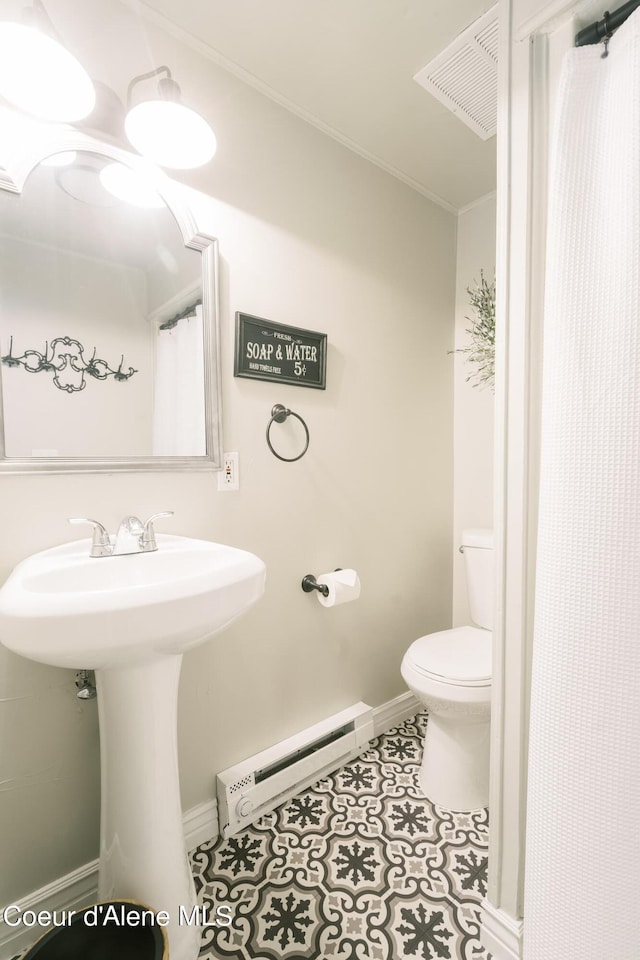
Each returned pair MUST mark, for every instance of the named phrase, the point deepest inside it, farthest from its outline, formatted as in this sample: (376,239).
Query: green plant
(482,332)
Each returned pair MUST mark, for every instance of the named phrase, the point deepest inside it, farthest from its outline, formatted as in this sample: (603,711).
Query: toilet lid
(461,655)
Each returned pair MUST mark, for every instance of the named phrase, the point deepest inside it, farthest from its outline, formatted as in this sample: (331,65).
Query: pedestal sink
(130,618)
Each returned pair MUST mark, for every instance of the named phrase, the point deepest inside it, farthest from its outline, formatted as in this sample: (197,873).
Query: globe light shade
(39,76)
(63,159)
(173,135)
(131,187)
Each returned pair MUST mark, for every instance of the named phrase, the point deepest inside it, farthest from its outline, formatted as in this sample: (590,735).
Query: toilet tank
(477,549)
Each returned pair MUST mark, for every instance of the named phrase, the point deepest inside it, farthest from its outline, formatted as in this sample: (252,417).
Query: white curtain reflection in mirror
(178,408)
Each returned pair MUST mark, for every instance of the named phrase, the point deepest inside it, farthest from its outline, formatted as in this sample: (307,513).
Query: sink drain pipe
(85,685)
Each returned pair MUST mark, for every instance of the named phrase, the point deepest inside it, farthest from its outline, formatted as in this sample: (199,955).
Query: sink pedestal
(142,847)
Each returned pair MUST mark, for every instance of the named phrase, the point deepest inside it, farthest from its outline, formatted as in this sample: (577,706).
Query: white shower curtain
(583,852)
(178,408)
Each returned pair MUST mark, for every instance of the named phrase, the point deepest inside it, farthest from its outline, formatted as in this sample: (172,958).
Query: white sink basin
(67,609)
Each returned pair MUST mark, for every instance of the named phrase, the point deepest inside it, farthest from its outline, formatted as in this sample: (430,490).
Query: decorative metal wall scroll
(273,351)
(65,358)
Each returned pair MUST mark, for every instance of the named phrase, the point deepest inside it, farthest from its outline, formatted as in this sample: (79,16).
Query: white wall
(310,235)
(473,406)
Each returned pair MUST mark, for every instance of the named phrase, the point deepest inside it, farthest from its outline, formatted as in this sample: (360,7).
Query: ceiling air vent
(465,75)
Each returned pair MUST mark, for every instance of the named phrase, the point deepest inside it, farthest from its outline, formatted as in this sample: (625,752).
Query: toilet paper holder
(310,583)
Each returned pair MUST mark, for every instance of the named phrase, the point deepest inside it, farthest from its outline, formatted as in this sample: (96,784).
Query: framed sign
(273,351)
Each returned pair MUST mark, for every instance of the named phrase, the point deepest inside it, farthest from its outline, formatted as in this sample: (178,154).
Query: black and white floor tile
(359,867)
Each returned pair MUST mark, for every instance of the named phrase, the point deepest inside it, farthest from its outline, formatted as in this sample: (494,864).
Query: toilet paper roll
(344,585)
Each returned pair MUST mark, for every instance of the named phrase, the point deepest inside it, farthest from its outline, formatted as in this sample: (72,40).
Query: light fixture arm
(167,86)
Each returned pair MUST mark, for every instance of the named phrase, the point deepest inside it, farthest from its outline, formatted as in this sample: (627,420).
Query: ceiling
(344,66)
(347,67)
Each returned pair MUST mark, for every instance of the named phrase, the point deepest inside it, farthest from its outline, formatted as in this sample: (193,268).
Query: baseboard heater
(256,786)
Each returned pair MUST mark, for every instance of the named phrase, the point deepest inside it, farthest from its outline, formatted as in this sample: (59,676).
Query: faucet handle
(100,544)
(148,538)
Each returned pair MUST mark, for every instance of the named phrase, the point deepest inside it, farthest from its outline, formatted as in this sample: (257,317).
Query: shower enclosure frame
(534,35)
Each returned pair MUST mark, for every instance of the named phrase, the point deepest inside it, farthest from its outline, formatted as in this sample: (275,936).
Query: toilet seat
(461,656)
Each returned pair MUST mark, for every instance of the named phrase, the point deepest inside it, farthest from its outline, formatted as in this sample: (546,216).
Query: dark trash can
(122,929)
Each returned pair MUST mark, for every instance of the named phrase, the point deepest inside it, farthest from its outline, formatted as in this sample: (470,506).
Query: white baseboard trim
(500,933)
(393,712)
(79,888)
(200,824)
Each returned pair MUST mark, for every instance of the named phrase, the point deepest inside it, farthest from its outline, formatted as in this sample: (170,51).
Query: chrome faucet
(133,536)
(128,537)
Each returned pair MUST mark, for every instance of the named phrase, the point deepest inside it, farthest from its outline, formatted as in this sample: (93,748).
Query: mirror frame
(32,150)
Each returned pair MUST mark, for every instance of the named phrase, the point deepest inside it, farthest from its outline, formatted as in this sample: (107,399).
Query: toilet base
(455,763)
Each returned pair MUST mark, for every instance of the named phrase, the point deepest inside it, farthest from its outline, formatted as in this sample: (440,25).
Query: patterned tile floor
(358,867)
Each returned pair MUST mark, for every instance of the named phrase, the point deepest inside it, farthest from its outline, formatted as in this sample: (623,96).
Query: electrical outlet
(228,478)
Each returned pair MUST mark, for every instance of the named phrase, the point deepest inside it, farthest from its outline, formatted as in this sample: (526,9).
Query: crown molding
(478,202)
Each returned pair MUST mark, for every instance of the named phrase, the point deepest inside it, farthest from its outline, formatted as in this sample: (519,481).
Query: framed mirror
(108,316)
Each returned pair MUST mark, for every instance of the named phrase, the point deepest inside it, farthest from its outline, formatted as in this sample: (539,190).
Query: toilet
(450,673)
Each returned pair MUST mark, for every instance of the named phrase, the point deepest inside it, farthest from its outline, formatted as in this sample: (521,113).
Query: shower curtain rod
(600,29)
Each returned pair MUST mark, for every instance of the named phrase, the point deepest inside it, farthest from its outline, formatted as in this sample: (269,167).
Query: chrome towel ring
(279,414)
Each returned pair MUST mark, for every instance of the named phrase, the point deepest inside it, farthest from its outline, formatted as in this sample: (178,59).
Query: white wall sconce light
(37,74)
(164,129)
